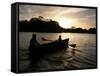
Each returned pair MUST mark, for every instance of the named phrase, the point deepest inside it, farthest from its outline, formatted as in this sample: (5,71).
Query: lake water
(84,56)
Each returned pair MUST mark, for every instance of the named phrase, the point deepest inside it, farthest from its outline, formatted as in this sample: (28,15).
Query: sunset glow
(64,22)
(65,16)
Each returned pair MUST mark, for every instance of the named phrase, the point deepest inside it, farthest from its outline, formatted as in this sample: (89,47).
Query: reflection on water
(83,56)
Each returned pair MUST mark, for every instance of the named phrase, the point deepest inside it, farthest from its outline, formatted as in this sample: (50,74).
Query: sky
(66,16)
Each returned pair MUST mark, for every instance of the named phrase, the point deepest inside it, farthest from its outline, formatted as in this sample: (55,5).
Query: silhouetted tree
(39,25)
(92,30)
(73,27)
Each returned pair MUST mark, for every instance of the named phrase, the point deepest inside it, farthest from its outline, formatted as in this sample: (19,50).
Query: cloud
(86,16)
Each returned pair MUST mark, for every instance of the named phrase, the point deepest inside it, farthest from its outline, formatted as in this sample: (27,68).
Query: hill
(48,25)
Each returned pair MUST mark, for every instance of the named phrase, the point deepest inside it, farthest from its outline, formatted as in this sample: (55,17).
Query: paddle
(45,39)
(72,45)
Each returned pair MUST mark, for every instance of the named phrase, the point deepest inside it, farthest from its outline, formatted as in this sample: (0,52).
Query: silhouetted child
(59,38)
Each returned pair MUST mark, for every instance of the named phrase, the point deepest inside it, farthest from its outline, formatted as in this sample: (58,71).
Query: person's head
(59,36)
(34,36)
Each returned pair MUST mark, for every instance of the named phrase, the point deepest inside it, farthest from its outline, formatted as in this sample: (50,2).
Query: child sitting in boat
(59,38)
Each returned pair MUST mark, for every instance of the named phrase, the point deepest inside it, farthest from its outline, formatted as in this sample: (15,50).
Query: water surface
(84,55)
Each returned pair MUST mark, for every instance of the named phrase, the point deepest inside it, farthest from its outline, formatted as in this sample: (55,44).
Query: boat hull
(53,46)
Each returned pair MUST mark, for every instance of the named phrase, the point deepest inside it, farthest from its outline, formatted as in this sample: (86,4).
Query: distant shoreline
(38,25)
(57,32)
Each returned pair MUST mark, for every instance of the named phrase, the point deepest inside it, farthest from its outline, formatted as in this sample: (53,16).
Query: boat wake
(65,59)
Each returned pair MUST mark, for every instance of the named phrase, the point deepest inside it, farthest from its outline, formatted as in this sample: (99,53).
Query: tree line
(39,25)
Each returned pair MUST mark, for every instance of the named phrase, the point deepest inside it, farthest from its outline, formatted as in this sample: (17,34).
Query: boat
(56,45)
(53,46)
(37,51)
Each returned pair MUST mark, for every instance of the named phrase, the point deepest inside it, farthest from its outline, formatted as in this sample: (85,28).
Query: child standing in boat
(33,51)
(33,41)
